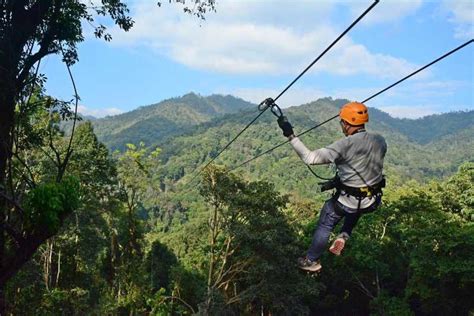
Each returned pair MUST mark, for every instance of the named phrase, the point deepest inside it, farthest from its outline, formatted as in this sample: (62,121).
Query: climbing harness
(362,192)
(370,191)
(276,110)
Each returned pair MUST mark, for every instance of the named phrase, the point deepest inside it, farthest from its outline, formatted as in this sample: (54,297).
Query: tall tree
(72,261)
(29,31)
(251,250)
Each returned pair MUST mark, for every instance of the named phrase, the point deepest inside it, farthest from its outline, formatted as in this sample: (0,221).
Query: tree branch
(16,236)
(384,227)
(69,147)
(239,296)
(233,270)
(48,155)
(29,63)
(12,202)
(224,261)
(22,162)
(361,285)
(55,151)
(181,300)
(37,14)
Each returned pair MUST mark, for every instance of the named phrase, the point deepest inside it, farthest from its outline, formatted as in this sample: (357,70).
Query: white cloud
(419,90)
(429,90)
(98,112)
(256,37)
(352,59)
(409,111)
(386,11)
(293,97)
(432,95)
(423,91)
(436,89)
(354,94)
(461,14)
(462,10)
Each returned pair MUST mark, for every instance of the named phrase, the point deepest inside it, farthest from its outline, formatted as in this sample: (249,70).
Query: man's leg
(351,217)
(328,219)
(350,221)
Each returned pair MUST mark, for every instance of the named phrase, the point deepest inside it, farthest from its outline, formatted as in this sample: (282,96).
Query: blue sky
(252,49)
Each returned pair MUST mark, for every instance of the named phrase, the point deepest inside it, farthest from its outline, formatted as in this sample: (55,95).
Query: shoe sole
(311,269)
(337,247)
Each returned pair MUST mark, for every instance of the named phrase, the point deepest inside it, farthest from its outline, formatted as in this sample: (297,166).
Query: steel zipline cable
(364,101)
(266,106)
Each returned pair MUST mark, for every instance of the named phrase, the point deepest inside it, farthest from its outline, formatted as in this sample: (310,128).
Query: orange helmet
(354,113)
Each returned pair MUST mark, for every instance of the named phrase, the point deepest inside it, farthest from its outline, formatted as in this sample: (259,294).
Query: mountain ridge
(192,110)
(192,129)
(166,118)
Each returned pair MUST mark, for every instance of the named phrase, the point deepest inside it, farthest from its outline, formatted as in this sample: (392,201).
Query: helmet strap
(352,129)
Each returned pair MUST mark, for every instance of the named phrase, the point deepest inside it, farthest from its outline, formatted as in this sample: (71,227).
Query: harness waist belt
(364,191)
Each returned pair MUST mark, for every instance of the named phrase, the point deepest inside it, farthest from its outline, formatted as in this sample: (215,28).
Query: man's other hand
(285,126)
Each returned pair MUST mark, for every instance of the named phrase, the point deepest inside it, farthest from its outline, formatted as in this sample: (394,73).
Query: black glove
(285,126)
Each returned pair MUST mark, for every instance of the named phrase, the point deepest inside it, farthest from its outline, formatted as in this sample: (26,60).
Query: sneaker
(309,265)
(338,244)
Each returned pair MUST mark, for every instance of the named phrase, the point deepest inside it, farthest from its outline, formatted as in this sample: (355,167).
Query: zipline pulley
(270,103)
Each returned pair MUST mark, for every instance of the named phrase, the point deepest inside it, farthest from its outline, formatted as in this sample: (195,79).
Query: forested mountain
(428,128)
(169,117)
(172,116)
(135,233)
(191,129)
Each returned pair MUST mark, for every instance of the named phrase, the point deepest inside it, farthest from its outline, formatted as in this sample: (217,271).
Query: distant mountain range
(193,128)
(152,123)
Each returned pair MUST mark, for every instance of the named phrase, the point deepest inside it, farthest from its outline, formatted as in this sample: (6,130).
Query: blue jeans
(330,215)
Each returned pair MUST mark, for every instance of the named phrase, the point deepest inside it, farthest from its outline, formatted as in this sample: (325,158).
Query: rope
(369,98)
(318,176)
(288,87)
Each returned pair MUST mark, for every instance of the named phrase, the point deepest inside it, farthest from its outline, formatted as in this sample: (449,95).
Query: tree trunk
(214,231)
(14,34)
(14,262)
(7,105)
(58,268)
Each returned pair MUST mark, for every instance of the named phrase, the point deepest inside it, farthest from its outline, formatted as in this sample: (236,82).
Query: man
(359,181)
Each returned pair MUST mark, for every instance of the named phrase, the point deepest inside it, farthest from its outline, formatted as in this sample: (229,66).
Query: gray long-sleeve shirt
(358,158)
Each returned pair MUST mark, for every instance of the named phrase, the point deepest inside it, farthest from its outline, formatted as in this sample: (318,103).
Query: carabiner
(276,110)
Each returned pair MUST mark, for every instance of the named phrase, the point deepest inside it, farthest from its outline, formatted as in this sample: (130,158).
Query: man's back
(360,159)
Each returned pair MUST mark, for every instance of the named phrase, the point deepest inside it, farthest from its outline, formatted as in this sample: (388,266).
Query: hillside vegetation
(432,146)
(164,119)
(437,156)
(144,237)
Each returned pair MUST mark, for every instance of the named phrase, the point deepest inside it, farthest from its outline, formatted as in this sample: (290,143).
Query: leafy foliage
(47,203)
(254,247)
(139,239)
(123,256)
(153,123)
(189,146)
